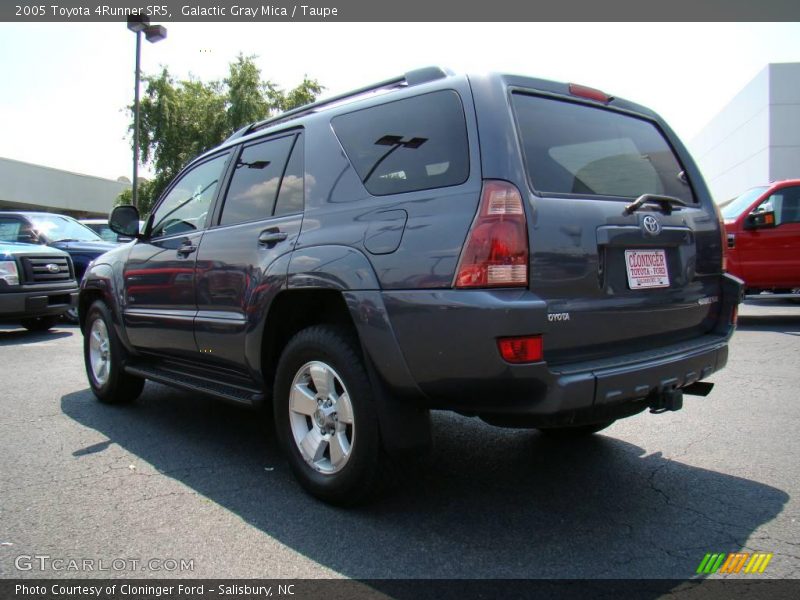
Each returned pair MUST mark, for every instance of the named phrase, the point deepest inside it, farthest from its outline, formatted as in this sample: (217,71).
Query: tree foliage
(180,119)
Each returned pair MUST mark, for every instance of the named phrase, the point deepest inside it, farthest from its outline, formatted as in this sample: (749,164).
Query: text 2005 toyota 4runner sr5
(533,253)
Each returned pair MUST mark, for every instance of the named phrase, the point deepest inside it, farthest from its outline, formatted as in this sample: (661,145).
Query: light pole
(153,34)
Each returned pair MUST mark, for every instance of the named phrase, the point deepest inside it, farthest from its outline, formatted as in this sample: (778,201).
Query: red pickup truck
(763,230)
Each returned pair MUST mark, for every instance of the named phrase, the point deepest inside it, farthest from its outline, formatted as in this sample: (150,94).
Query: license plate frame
(647,269)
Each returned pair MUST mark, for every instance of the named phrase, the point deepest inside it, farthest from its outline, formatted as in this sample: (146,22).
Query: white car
(101,228)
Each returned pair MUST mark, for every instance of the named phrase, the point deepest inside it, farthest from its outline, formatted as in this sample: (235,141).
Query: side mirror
(124,220)
(760,220)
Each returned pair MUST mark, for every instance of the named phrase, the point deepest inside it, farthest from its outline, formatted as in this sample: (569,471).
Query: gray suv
(532,253)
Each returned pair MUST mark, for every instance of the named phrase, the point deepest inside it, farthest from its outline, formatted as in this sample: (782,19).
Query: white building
(755,139)
(24,186)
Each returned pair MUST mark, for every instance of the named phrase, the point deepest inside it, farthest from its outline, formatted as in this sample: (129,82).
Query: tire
(39,323)
(103,356)
(71,316)
(325,419)
(574,431)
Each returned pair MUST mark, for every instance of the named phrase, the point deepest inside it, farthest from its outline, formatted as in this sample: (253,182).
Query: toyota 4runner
(532,253)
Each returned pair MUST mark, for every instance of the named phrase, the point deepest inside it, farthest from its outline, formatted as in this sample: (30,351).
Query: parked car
(37,285)
(532,253)
(57,231)
(763,238)
(103,229)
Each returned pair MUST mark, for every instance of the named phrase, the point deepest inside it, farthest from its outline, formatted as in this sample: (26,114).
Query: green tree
(181,119)
(247,93)
(305,93)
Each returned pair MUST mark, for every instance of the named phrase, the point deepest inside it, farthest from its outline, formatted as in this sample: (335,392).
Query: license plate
(646,269)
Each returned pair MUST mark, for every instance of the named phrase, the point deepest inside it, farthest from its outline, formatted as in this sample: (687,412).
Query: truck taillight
(496,251)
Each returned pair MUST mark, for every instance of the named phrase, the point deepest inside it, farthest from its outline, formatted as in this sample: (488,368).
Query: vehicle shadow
(488,503)
(10,335)
(776,323)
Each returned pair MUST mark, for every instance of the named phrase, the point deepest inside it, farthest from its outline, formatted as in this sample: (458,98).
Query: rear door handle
(270,237)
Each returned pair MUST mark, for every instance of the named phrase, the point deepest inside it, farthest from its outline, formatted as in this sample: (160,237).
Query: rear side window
(255,182)
(577,149)
(290,196)
(413,144)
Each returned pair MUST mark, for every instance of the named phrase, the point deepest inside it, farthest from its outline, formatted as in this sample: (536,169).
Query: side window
(107,234)
(413,144)
(14,230)
(186,206)
(785,203)
(290,196)
(255,181)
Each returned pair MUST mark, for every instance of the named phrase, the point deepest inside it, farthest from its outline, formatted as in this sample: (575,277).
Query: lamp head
(137,23)
(155,33)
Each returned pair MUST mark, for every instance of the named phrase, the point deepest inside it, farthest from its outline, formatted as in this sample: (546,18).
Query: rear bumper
(446,339)
(608,390)
(38,302)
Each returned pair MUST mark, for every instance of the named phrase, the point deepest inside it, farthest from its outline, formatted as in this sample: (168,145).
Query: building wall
(24,186)
(755,139)
(785,121)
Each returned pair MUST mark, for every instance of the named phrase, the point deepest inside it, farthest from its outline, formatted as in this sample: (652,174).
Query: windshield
(733,209)
(57,228)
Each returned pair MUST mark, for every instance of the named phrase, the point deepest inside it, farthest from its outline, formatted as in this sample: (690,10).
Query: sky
(64,86)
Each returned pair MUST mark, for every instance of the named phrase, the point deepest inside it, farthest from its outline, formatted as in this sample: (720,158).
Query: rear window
(413,144)
(572,148)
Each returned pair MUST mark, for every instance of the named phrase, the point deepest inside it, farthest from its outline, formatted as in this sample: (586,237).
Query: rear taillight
(735,315)
(724,240)
(518,350)
(496,251)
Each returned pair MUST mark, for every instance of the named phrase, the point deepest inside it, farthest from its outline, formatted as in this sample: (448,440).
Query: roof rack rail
(415,77)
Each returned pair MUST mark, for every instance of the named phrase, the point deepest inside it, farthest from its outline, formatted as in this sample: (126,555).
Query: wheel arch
(293,310)
(99,284)
(96,285)
(337,285)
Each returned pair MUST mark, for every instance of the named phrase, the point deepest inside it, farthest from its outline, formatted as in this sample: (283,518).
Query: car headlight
(8,272)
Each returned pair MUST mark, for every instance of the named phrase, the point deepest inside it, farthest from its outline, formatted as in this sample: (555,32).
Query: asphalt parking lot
(175,477)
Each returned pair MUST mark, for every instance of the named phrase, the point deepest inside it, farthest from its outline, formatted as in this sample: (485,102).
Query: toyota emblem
(53,268)
(651,225)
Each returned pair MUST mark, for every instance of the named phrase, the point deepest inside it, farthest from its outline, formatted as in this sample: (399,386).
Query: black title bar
(400,10)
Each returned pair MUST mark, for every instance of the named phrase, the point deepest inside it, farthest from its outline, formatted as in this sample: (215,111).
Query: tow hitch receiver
(668,399)
(699,388)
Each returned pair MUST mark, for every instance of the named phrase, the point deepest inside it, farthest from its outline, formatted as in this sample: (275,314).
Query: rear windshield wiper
(666,203)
